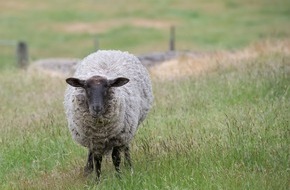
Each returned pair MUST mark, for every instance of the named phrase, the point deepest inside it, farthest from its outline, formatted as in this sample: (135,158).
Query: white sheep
(106,100)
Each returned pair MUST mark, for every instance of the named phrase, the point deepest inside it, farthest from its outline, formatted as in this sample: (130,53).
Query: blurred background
(71,28)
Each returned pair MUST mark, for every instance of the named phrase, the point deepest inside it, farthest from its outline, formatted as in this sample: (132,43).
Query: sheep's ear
(75,82)
(120,81)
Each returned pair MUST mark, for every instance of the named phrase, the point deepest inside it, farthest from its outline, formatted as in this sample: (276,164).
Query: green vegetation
(228,129)
(69,28)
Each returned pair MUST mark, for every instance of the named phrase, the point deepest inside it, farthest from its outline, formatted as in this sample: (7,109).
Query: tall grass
(226,129)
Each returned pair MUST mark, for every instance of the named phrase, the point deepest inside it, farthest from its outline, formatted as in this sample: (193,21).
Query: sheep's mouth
(95,114)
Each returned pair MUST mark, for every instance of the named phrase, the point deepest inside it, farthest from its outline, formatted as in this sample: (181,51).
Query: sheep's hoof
(98,179)
(131,171)
(118,175)
(88,171)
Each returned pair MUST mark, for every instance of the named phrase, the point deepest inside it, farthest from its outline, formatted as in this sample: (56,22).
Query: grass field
(69,28)
(227,128)
(220,120)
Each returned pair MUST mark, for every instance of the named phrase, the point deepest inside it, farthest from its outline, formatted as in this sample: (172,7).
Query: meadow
(70,28)
(227,128)
(221,122)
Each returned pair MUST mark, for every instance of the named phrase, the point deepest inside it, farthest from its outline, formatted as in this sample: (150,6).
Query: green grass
(227,129)
(200,25)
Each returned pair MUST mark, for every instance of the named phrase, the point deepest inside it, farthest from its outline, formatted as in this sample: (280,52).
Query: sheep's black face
(97,89)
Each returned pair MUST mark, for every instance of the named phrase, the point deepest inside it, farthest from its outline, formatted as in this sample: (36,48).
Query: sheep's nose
(97,109)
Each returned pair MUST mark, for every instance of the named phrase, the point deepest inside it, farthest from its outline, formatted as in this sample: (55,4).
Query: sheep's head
(96,88)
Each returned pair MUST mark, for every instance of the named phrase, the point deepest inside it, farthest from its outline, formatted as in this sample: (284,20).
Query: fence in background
(22,56)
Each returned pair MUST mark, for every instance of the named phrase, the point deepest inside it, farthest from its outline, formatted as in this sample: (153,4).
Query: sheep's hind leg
(128,162)
(89,167)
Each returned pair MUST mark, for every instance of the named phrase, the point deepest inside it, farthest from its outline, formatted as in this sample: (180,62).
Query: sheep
(106,100)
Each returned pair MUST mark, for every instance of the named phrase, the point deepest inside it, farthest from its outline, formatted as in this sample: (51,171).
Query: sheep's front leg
(98,162)
(90,165)
(116,157)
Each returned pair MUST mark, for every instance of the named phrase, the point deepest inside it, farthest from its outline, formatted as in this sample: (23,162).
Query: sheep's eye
(105,92)
(88,92)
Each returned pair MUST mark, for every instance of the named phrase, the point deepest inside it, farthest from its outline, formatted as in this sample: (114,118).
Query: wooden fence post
(172,39)
(22,55)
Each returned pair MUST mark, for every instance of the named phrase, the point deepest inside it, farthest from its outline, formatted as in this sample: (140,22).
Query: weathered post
(22,55)
(172,39)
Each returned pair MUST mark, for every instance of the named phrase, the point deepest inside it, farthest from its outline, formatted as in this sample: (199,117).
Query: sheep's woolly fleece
(126,108)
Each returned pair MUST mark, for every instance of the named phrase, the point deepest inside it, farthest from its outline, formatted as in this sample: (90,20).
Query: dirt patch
(9,6)
(55,67)
(184,65)
(196,64)
(90,28)
(157,24)
(104,26)
(19,6)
